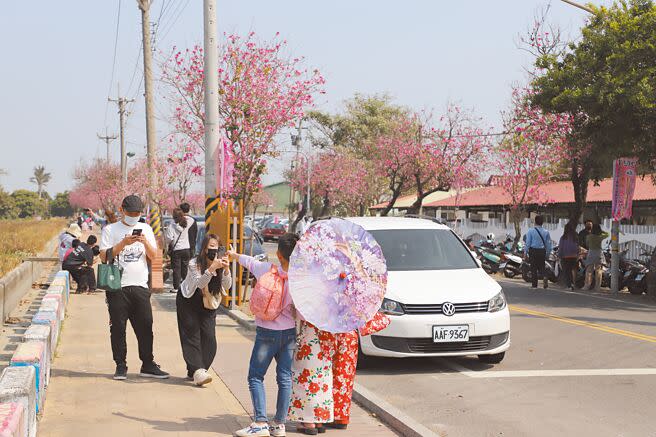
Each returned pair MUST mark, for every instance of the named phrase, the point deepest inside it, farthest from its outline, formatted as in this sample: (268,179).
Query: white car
(441,302)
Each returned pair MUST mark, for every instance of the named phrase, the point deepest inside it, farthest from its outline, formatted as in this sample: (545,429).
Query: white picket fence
(636,238)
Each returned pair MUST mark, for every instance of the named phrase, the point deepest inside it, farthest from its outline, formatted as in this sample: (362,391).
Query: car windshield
(423,249)
(275,226)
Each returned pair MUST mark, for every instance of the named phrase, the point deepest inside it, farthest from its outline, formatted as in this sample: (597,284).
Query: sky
(58,59)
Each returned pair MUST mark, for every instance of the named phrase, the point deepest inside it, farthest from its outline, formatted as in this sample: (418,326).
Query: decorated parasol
(337,276)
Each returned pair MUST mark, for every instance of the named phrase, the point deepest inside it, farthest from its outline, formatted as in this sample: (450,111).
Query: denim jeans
(270,344)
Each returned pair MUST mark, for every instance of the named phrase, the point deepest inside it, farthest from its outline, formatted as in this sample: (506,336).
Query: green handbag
(109,275)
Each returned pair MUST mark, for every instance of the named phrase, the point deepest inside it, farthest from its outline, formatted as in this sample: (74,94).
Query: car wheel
(492,359)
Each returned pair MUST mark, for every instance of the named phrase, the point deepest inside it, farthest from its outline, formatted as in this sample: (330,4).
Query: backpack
(268,295)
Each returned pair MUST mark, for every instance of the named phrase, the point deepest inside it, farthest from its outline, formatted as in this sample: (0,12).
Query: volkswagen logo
(448,309)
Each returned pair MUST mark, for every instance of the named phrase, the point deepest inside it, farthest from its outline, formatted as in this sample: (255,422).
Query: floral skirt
(312,377)
(345,361)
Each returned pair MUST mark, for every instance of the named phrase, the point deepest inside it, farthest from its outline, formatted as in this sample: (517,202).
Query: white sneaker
(277,430)
(254,430)
(201,377)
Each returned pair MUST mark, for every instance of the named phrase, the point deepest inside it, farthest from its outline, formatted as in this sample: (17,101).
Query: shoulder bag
(109,273)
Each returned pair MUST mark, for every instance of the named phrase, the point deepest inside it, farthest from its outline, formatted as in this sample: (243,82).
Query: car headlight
(497,303)
(391,307)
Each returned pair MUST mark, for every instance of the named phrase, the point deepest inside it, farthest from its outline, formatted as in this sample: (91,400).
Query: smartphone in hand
(136,231)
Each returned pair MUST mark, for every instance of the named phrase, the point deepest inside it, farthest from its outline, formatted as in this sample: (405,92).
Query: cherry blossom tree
(97,186)
(529,155)
(339,183)
(262,91)
(449,155)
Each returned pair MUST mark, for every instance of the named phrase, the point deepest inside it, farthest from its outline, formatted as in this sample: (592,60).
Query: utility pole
(210,68)
(107,139)
(122,101)
(151,140)
(296,141)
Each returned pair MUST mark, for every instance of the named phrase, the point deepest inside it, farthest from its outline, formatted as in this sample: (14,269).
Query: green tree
(29,204)
(40,178)
(60,205)
(8,209)
(606,80)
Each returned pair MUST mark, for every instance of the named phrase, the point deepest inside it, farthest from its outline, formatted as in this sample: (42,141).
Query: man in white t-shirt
(193,228)
(132,243)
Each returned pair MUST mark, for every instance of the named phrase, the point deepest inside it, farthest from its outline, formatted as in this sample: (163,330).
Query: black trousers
(179,263)
(133,304)
(84,276)
(568,265)
(537,259)
(197,329)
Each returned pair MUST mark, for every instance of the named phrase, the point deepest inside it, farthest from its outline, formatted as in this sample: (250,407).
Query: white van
(441,302)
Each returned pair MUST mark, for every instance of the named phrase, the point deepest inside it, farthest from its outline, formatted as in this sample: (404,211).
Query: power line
(176,19)
(111,80)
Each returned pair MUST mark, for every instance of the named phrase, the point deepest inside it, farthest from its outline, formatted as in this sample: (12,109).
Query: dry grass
(25,238)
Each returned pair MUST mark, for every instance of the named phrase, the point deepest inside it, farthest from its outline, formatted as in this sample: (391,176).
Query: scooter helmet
(490,236)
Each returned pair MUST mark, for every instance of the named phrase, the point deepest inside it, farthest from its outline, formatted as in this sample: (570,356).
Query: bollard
(41,333)
(58,298)
(12,420)
(52,305)
(18,384)
(32,354)
(51,319)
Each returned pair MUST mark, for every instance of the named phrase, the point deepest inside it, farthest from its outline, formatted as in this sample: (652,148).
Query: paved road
(579,365)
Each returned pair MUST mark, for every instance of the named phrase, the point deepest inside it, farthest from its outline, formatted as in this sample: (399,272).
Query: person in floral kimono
(312,380)
(344,364)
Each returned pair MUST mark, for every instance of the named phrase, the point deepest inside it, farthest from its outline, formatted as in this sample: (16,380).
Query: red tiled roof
(556,192)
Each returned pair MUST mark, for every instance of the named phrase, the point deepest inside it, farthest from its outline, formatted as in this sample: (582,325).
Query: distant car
(441,302)
(274,231)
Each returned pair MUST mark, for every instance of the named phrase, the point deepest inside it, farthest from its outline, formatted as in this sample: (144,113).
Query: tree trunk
(325,208)
(300,215)
(390,204)
(362,210)
(515,218)
(580,184)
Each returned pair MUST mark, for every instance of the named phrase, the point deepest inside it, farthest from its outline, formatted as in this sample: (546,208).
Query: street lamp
(578,5)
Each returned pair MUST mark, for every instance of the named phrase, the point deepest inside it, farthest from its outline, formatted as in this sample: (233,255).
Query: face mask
(130,221)
(212,253)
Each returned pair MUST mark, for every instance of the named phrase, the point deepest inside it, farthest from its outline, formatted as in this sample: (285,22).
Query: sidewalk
(83,400)
(235,344)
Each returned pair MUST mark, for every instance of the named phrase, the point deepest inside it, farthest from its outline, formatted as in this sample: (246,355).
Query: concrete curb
(394,418)
(239,317)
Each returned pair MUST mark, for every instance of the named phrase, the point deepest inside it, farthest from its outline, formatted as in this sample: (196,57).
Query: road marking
(550,373)
(520,284)
(596,326)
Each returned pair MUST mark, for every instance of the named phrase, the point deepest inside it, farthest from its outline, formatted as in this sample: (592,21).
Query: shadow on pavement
(133,377)
(401,366)
(184,424)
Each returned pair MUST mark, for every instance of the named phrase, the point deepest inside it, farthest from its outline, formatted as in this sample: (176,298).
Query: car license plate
(639,277)
(502,266)
(450,334)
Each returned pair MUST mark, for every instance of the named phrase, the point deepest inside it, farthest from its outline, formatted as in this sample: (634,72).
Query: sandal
(302,429)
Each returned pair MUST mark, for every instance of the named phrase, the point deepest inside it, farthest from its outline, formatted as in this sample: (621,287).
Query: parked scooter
(490,259)
(511,264)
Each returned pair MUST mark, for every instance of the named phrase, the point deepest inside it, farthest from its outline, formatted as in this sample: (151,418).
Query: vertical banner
(624,179)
